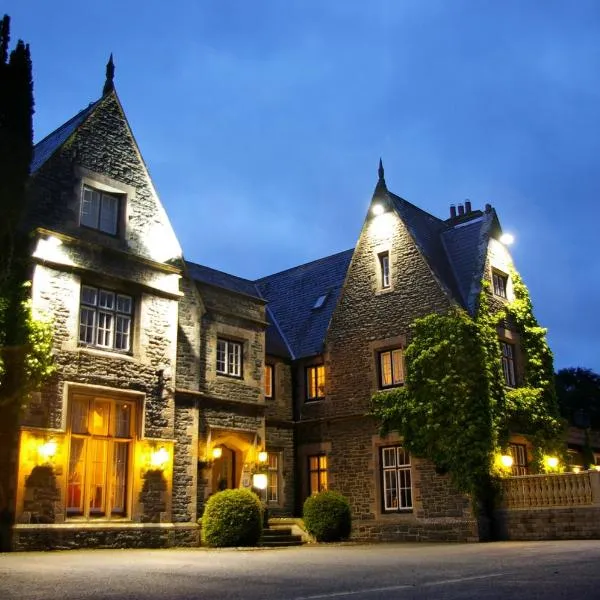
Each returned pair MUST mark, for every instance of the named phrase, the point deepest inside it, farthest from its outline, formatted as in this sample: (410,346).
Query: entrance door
(223,471)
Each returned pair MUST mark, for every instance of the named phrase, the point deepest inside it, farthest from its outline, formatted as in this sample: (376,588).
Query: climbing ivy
(454,408)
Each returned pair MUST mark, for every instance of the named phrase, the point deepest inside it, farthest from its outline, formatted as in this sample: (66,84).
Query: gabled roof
(45,148)
(221,279)
(292,295)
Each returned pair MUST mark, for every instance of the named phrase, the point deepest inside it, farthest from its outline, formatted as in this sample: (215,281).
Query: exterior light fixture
(217,452)
(507,461)
(159,458)
(507,239)
(47,450)
(259,481)
(551,462)
(263,456)
(377,209)
(576,469)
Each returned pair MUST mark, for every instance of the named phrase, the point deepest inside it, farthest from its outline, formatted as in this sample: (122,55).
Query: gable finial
(380,170)
(109,84)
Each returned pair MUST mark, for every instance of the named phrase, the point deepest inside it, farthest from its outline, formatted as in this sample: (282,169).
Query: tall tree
(578,392)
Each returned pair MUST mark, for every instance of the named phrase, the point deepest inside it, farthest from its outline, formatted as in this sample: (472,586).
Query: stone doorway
(224,476)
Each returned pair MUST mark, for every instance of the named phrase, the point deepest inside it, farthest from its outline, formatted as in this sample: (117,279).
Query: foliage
(454,408)
(327,516)
(232,518)
(578,392)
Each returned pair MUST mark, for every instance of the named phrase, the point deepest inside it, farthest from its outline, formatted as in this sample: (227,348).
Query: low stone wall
(134,535)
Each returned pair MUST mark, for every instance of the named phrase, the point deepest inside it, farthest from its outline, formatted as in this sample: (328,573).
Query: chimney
(467,206)
(461,210)
(452,211)
(488,208)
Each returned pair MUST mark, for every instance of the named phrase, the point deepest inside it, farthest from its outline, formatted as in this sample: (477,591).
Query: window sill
(390,387)
(228,376)
(105,352)
(381,291)
(313,400)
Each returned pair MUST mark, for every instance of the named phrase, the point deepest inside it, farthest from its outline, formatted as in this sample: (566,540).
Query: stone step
(281,544)
(280,537)
(275,532)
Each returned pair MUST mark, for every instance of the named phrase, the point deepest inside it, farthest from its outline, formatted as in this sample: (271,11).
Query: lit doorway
(223,471)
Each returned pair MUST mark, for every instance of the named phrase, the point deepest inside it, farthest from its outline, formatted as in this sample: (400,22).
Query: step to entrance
(280,538)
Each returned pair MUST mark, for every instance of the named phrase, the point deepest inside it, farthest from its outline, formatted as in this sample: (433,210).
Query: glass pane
(119,478)
(389,457)
(273,460)
(89,295)
(122,420)
(314,482)
(97,475)
(321,381)
(322,481)
(108,214)
(100,417)
(221,353)
(268,381)
(90,207)
(390,489)
(323,462)
(311,382)
(79,415)
(386,368)
(124,304)
(273,486)
(122,331)
(75,477)
(87,320)
(313,462)
(106,299)
(397,367)
(405,488)
(403,457)
(104,330)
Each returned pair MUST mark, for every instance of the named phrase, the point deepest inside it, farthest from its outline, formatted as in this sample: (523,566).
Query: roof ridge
(310,262)
(68,122)
(219,271)
(421,210)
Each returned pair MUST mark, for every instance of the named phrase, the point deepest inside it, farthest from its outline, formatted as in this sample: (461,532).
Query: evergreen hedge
(327,516)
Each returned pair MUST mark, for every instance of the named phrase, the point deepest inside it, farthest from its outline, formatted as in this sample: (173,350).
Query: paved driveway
(507,570)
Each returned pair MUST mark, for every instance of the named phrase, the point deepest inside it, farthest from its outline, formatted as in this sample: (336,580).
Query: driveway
(506,570)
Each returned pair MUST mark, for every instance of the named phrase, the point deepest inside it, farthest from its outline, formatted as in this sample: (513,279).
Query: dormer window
(384,270)
(500,282)
(99,210)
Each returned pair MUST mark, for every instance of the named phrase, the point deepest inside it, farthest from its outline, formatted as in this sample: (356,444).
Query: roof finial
(380,170)
(109,84)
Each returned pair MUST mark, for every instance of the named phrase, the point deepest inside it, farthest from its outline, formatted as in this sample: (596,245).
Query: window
(319,301)
(268,381)
(105,319)
(100,452)
(273,477)
(396,479)
(317,473)
(519,456)
(508,363)
(315,383)
(391,368)
(384,270)
(500,282)
(229,358)
(99,210)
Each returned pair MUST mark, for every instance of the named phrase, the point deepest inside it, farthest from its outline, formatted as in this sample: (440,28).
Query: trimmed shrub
(327,516)
(232,518)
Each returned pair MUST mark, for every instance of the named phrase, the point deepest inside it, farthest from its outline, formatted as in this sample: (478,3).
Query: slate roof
(46,147)
(292,294)
(223,280)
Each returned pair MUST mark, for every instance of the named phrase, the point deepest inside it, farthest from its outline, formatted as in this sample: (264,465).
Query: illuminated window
(105,319)
(500,282)
(508,363)
(273,477)
(391,368)
(315,383)
(229,358)
(384,270)
(99,210)
(268,381)
(317,473)
(519,456)
(396,479)
(101,436)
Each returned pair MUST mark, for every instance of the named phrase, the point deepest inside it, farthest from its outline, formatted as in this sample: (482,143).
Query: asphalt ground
(548,570)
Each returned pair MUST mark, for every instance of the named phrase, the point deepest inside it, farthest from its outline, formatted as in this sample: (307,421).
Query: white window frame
(273,477)
(500,284)
(315,382)
(396,479)
(96,217)
(395,367)
(229,358)
(384,270)
(318,464)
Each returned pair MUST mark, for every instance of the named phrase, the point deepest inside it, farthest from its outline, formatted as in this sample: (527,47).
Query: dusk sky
(262,124)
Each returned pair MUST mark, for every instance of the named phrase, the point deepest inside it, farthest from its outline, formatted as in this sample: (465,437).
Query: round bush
(232,518)
(327,516)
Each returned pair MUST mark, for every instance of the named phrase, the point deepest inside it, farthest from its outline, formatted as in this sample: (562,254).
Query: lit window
(100,452)
(317,471)
(508,363)
(518,453)
(315,383)
(273,477)
(500,282)
(229,358)
(396,479)
(99,210)
(384,269)
(391,368)
(105,319)
(268,381)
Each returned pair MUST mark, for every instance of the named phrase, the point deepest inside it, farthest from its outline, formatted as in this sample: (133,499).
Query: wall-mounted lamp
(576,469)
(263,456)
(551,462)
(217,452)
(259,481)
(507,239)
(47,450)
(159,458)
(377,209)
(506,461)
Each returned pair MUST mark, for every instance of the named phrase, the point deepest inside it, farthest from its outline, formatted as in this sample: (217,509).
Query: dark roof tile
(220,279)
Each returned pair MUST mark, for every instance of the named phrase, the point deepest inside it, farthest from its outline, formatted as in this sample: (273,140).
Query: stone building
(176,380)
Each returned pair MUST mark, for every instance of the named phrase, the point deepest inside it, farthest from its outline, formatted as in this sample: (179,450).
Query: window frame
(321,471)
(110,439)
(380,368)
(118,199)
(385,272)
(96,310)
(520,465)
(273,472)
(269,375)
(309,371)
(402,471)
(508,362)
(500,291)
(230,345)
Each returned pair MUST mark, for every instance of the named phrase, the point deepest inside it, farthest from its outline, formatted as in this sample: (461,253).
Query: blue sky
(262,123)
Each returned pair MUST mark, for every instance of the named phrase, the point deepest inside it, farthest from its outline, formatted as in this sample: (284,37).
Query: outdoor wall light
(377,209)
(47,450)
(507,239)
(263,456)
(217,452)
(551,462)
(507,461)
(159,458)
(259,481)
(576,469)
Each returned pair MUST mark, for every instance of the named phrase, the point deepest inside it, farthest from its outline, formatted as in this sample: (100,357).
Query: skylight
(320,301)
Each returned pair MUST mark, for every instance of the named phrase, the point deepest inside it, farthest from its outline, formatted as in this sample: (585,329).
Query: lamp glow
(507,461)
(217,452)
(159,458)
(259,481)
(48,450)
(377,209)
(576,469)
(263,456)
(552,462)
(507,239)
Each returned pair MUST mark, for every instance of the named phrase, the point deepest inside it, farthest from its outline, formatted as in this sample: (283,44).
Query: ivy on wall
(454,408)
